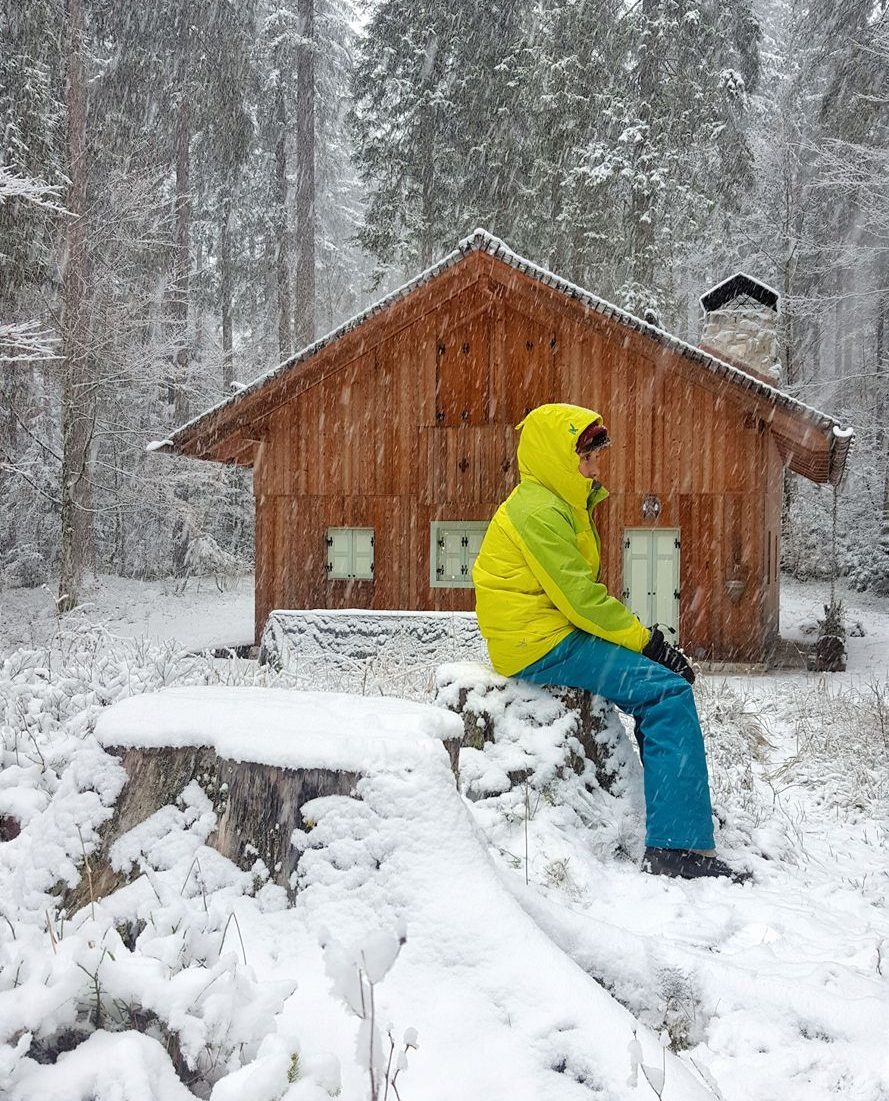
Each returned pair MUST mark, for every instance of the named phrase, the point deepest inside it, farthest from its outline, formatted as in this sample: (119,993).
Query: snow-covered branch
(26,342)
(13,186)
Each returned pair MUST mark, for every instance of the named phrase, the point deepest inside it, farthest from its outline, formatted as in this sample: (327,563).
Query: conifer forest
(193,190)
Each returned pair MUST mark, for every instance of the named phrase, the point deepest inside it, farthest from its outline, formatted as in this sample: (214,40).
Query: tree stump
(259,755)
(593,732)
(257,806)
(602,740)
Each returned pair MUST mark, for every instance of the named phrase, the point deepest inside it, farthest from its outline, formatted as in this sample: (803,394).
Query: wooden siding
(417,425)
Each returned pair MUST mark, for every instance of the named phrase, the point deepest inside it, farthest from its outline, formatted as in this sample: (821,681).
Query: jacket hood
(546,451)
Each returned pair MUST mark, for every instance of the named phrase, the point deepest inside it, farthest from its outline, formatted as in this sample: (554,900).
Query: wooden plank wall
(421,427)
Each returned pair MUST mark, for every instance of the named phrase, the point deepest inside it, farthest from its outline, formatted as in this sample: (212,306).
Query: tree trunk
(78,394)
(788,329)
(882,410)
(183,258)
(282,265)
(182,363)
(642,214)
(305,177)
(225,286)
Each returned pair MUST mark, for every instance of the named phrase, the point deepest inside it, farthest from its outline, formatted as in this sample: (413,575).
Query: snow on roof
(275,726)
(482,241)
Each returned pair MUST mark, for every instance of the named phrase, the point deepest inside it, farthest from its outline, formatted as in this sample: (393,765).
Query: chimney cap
(735,286)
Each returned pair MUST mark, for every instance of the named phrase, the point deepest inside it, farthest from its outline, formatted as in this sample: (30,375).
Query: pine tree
(437,124)
(853,173)
(684,149)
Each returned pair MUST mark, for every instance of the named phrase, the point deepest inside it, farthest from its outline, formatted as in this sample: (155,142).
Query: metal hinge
(676,544)
(439,570)
(464,542)
(675,594)
(627,544)
(330,540)
(464,570)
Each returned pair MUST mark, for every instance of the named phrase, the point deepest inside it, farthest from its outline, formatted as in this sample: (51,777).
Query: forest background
(192,190)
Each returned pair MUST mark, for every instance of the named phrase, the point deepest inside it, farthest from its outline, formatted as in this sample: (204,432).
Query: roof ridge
(482,240)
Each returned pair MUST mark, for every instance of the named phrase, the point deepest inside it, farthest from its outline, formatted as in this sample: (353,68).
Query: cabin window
(350,554)
(453,549)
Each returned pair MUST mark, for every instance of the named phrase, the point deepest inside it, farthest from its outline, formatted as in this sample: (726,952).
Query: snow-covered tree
(437,126)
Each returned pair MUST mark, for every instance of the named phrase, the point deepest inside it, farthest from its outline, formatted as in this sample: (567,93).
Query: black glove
(658,649)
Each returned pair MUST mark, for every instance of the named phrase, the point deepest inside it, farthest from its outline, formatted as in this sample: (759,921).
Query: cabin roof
(736,285)
(187,438)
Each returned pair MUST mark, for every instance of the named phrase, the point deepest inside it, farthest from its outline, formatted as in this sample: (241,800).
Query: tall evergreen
(438,122)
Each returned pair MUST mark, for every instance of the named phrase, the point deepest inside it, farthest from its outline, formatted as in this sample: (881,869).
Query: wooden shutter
(339,552)
(363,553)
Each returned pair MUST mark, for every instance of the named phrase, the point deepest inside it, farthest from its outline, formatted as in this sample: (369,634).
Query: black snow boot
(685,864)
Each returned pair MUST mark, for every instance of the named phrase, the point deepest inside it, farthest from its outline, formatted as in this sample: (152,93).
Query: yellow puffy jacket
(536,574)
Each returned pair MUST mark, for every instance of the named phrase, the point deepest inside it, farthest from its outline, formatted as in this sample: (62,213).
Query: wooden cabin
(380,452)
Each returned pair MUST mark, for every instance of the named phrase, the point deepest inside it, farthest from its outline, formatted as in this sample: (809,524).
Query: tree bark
(788,330)
(78,394)
(182,360)
(642,244)
(282,262)
(882,409)
(305,177)
(183,257)
(225,288)
(257,806)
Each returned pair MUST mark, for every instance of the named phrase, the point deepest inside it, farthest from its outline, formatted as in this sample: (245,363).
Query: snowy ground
(778,989)
(200,615)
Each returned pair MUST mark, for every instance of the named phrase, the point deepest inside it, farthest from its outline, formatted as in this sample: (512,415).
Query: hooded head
(547,450)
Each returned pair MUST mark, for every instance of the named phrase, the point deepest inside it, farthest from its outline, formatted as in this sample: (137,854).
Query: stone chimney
(740,326)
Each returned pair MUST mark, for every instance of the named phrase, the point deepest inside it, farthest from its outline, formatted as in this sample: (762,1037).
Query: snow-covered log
(393,653)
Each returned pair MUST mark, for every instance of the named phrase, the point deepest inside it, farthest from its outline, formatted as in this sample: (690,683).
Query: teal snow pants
(678,814)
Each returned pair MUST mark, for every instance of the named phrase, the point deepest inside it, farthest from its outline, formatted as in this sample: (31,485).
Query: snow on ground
(198,616)
(533,946)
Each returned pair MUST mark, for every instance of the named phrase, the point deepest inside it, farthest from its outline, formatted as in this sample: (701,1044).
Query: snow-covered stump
(583,728)
(258,755)
(257,807)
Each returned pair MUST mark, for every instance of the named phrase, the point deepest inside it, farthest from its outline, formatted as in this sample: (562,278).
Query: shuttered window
(453,549)
(350,554)
(651,575)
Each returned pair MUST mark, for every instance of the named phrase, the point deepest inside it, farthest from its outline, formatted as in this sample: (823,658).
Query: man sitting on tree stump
(546,618)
